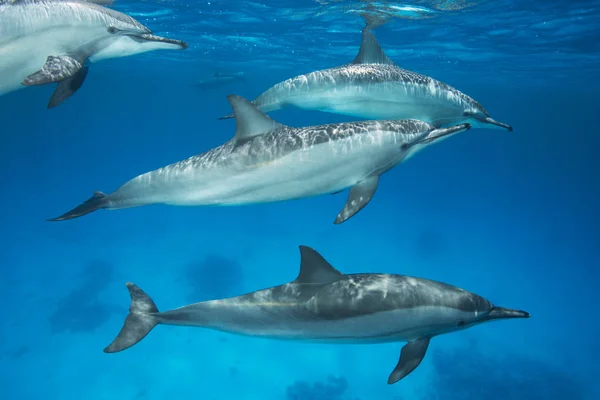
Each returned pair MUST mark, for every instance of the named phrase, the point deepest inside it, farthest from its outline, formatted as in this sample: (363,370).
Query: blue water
(512,216)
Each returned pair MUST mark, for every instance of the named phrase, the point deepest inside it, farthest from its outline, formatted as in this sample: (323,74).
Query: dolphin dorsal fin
(370,51)
(249,120)
(315,269)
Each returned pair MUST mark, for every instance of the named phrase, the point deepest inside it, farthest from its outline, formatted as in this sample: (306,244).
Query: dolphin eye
(461,323)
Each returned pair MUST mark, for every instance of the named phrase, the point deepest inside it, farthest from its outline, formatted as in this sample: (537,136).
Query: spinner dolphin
(324,305)
(267,161)
(374,87)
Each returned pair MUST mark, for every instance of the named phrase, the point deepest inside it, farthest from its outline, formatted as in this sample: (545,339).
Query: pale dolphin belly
(294,322)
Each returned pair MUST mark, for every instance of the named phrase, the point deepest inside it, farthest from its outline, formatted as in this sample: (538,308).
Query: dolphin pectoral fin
(56,69)
(359,196)
(138,323)
(68,87)
(410,357)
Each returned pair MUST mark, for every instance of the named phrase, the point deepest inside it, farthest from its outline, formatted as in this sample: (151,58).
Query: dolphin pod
(51,41)
(324,305)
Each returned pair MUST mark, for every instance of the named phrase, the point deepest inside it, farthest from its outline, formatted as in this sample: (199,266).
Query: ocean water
(512,216)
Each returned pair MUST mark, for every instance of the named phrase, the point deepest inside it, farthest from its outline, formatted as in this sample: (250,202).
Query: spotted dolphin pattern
(324,305)
(374,87)
(267,161)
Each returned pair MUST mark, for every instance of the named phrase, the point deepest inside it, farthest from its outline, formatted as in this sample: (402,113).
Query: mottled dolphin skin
(267,161)
(373,87)
(49,41)
(324,305)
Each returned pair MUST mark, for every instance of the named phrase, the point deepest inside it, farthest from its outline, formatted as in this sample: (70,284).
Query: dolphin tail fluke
(138,323)
(96,202)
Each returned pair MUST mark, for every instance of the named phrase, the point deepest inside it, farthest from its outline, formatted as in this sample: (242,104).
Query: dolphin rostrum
(267,161)
(49,41)
(324,305)
(373,87)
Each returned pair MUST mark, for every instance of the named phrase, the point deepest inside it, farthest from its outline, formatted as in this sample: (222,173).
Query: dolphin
(220,79)
(49,41)
(374,87)
(324,305)
(267,161)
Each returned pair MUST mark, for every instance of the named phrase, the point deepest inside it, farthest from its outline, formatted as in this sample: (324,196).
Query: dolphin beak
(492,121)
(505,313)
(440,133)
(153,38)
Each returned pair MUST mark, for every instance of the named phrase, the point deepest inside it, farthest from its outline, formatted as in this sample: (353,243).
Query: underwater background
(512,216)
